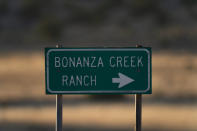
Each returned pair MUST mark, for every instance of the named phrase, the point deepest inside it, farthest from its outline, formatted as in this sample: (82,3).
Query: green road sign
(98,70)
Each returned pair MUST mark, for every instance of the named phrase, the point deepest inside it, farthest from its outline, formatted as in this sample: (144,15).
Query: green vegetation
(3,7)
(100,20)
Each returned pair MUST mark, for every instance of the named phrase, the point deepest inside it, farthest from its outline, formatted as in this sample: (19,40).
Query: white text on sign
(97,62)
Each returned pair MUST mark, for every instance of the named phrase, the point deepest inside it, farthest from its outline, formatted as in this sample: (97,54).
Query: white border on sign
(106,91)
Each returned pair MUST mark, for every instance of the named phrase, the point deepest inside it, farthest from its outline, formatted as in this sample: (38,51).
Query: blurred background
(168,26)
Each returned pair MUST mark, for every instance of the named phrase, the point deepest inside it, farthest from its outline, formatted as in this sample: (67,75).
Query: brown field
(171,107)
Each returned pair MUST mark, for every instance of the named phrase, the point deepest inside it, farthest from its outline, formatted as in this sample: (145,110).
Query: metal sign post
(59,108)
(138,111)
(138,108)
(59,112)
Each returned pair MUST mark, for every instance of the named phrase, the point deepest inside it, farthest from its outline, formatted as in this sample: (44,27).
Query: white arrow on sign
(123,80)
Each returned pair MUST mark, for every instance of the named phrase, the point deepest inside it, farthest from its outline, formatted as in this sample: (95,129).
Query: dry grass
(174,77)
(112,115)
(21,73)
